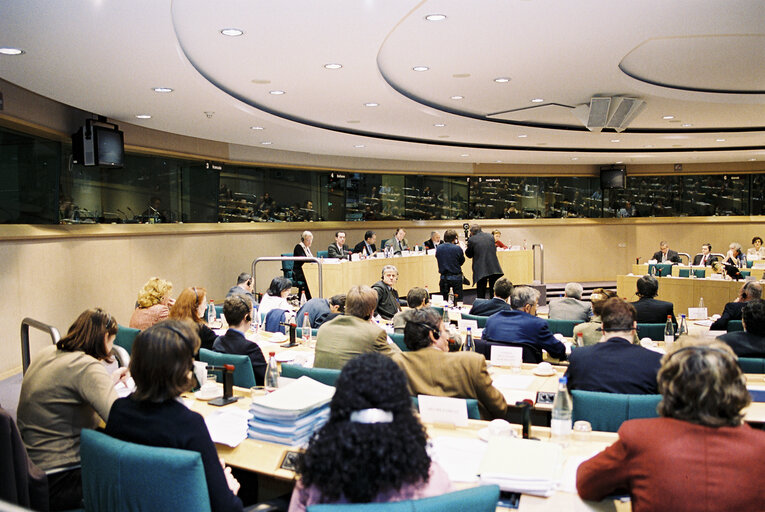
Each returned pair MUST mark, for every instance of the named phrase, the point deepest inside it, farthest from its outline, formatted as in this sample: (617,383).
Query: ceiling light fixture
(371,104)
(575,158)
(435,17)
(359,146)
(719,140)
(232,32)
(266,143)
(616,140)
(439,125)
(143,116)
(667,118)
(276,92)
(502,80)
(457,97)
(256,128)
(11,51)
(537,100)
(522,136)
(162,89)
(687,125)
(420,68)
(464,154)
(333,66)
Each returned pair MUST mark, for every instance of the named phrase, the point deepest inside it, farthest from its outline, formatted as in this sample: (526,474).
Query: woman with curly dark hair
(373,448)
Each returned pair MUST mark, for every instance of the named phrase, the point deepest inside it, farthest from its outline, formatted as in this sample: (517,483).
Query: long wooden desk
(414,270)
(642,269)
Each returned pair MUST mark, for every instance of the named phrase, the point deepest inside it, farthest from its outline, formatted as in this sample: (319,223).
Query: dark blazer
(387,300)
(450,258)
(487,307)
(297,266)
(234,342)
(315,308)
(614,366)
(360,247)
(654,311)
(207,336)
(731,311)
(429,244)
(710,259)
(745,344)
(669,464)
(481,248)
(22,483)
(671,256)
(335,252)
(520,327)
(173,425)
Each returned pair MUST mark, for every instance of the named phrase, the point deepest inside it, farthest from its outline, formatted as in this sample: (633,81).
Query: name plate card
(697,314)
(506,356)
(441,409)
(355,257)
(431,252)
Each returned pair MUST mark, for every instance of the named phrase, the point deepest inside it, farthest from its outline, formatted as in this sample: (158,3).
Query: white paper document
(460,457)
(513,381)
(228,427)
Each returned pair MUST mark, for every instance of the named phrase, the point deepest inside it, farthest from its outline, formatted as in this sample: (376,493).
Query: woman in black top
(191,305)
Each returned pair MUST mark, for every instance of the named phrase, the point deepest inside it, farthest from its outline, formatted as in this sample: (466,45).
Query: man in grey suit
(344,337)
(398,242)
(571,307)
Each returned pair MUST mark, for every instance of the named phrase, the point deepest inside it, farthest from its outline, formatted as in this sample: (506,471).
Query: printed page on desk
(301,395)
(522,465)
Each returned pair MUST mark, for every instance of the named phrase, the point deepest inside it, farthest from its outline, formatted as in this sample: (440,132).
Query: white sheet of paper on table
(513,381)
(460,457)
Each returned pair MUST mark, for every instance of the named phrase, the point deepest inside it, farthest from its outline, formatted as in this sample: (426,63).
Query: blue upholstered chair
(287,267)
(480,319)
(322,254)
(398,339)
(324,375)
(219,311)
(735,325)
(564,327)
(299,332)
(752,364)
(243,375)
(118,476)
(125,337)
(653,331)
(607,411)
(661,269)
(475,499)
(700,272)
(684,272)
(438,310)
(472,407)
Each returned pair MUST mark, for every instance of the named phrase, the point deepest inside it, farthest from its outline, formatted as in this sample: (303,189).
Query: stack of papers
(522,465)
(291,414)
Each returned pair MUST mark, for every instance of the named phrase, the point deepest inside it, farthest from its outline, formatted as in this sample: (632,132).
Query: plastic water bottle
(272,373)
(683,327)
(524,244)
(306,330)
(561,423)
(450,298)
(579,339)
(210,312)
(701,302)
(669,334)
(254,320)
(302,298)
(445,318)
(469,345)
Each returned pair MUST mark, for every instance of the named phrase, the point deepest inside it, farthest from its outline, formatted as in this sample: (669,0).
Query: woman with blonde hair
(153,304)
(699,455)
(191,305)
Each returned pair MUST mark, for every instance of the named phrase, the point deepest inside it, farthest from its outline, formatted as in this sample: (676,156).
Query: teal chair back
(287,266)
(564,327)
(653,331)
(749,264)
(118,476)
(684,272)
(299,332)
(700,272)
(398,339)
(438,310)
(243,375)
(735,325)
(752,364)
(475,499)
(480,319)
(125,337)
(324,375)
(746,273)
(607,411)
(665,269)
(219,311)
(322,254)
(472,407)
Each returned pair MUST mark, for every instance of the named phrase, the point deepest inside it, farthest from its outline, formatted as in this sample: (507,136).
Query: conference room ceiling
(409,88)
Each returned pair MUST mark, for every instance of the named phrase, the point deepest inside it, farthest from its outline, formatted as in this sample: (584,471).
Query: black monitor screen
(613,177)
(110,150)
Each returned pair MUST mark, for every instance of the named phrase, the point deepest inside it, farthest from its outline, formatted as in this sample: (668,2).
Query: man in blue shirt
(450,259)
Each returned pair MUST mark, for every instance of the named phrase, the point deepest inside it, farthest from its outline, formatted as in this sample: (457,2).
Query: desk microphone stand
(228,385)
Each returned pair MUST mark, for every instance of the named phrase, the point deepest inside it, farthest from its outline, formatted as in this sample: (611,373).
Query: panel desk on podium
(413,270)
(642,269)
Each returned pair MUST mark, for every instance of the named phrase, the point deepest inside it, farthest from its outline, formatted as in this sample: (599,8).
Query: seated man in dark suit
(433,241)
(521,325)
(571,307)
(387,296)
(751,341)
(503,288)
(432,370)
(732,310)
(320,310)
(244,287)
(339,249)
(704,259)
(367,246)
(238,310)
(651,310)
(665,254)
(615,365)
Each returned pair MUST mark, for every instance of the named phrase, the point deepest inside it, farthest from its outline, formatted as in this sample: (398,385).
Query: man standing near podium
(486,269)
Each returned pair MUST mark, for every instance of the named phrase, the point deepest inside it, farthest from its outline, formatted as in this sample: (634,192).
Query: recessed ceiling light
(497,161)
(11,51)
(677,145)
(619,162)
(162,89)
(420,68)
(719,140)
(668,117)
(256,128)
(464,154)
(276,92)
(458,97)
(687,125)
(616,140)
(333,66)
(359,146)
(648,146)
(435,17)
(439,125)
(522,136)
(541,143)
(353,121)
(371,104)
(266,143)
(575,158)
(502,80)
(143,116)
(231,32)
(752,159)
(537,100)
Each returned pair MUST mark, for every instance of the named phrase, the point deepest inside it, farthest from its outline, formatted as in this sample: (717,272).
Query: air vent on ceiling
(615,112)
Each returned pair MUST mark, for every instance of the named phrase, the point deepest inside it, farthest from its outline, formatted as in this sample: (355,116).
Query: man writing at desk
(665,254)
(339,249)
(398,242)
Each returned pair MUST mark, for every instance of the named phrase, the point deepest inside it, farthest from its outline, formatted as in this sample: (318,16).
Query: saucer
(208,396)
(536,371)
(284,357)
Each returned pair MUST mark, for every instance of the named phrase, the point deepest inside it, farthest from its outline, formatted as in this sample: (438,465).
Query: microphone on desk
(123,213)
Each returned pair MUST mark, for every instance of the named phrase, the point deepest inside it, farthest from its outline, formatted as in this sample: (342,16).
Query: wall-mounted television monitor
(613,176)
(96,145)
